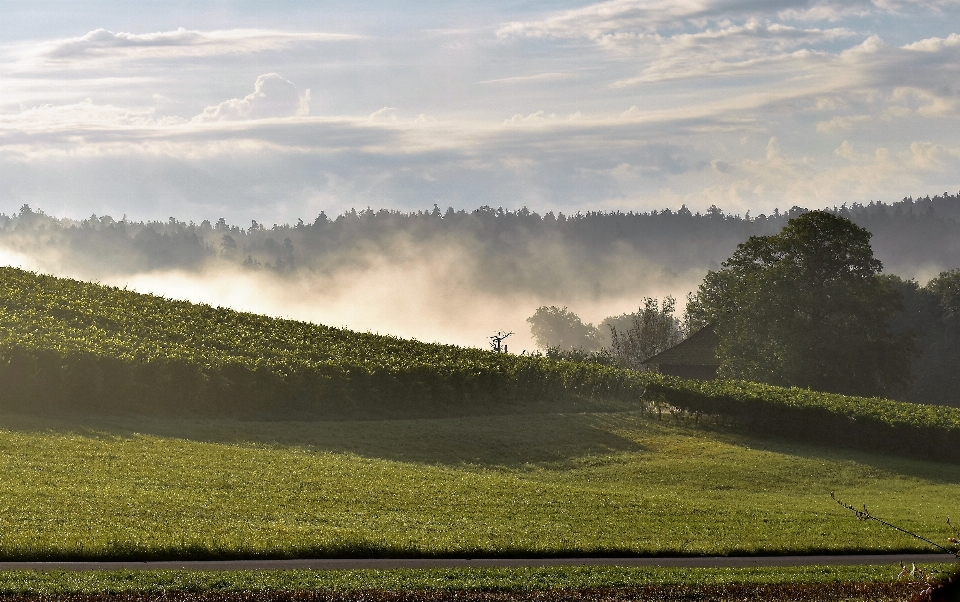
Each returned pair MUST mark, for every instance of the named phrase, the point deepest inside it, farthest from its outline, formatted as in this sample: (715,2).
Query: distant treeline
(523,251)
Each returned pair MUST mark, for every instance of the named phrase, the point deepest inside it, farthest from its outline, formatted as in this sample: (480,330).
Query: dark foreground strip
(872,592)
(453,563)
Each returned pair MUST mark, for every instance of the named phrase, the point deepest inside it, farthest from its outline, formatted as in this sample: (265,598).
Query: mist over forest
(446,275)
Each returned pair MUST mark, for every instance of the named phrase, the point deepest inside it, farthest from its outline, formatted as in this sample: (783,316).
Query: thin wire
(865,515)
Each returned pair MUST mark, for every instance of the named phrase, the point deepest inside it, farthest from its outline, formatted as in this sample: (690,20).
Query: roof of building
(699,349)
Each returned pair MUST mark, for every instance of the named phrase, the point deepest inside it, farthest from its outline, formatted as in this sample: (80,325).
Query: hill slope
(74,347)
(82,346)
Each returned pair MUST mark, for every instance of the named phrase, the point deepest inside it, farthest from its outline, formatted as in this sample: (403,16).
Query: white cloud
(841,123)
(536,116)
(74,119)
(924,102)
(929,156)
(522,79)
(733,50)
(102,46)
(612,18)
(198,170)
(273,96)
(385,114)
(803,180)
(616,22)
(935,44)
(699,39)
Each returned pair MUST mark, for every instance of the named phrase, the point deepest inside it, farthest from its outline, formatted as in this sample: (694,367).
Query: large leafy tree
(806,307)
(932,314)
(559,328)
(652,329)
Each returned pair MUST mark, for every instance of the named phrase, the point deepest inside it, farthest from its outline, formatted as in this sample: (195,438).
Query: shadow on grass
(485,441)
(507,441)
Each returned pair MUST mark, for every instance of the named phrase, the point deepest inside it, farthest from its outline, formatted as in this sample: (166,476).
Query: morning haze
(447,276)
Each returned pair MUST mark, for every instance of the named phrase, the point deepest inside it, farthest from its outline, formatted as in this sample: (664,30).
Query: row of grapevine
(866,423)
(45,380)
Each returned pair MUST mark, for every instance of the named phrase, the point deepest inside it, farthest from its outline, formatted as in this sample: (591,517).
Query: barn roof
(699,349)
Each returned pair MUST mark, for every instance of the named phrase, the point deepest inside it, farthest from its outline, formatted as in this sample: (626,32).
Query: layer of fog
(456,277)
(432,298)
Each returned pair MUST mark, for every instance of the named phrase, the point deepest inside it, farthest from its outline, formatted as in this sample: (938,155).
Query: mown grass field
(596,484)
(437,580)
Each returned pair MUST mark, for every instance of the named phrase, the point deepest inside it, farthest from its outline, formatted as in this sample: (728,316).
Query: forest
(593,254)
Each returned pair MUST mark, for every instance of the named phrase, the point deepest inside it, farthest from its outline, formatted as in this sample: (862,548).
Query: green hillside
(68,347)
(82,346)
(133,426)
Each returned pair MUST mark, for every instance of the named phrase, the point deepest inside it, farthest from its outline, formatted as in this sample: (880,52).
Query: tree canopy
(932,315)
(806,307)
(560,328)
(652,329)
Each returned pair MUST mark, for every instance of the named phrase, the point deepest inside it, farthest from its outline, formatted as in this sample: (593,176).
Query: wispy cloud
(102,46)
(522,79)
(615,21)
(623,104)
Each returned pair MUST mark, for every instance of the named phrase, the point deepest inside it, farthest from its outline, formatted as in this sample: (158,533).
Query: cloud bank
(614,105)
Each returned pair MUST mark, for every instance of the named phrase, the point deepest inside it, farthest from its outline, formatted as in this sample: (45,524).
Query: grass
(517,579)
(596,484)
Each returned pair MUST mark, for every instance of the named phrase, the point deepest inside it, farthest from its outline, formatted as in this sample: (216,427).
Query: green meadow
(515,579)
(619,483)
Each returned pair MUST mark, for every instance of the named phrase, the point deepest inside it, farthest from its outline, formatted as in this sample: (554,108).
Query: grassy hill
(82,348)
(129,429)
(68,345)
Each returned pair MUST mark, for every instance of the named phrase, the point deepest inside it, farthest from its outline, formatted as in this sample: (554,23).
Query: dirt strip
(433,563)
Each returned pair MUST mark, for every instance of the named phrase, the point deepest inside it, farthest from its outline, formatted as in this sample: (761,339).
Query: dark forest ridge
(595,253)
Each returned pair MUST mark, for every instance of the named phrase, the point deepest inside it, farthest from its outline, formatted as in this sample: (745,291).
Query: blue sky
(277,110)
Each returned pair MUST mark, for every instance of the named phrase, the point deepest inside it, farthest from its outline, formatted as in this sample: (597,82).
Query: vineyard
(74,347)
(67,345)
(867,423)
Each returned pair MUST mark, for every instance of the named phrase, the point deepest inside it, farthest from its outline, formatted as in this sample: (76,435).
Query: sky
(274,111)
